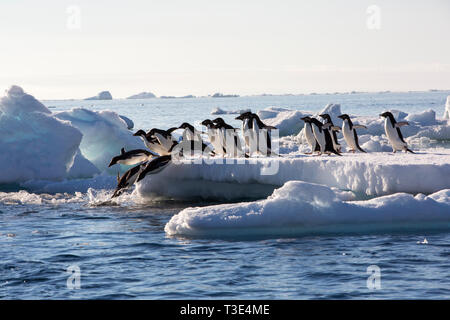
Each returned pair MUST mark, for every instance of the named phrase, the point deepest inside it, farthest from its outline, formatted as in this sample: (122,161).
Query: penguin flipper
(401,124)
(359,126)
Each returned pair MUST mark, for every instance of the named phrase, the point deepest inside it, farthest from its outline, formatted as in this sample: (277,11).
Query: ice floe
(300,208)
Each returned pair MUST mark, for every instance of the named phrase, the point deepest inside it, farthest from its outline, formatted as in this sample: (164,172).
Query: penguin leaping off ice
(393,132)
(350,135)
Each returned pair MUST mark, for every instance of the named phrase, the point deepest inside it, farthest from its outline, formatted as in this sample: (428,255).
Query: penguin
(350,135)
(309,135)
(127,180)
(157,140)
(193,137)
(214,137)
(165,139)
(247,132)
(323,137)
(332,130)
(230,138)
(393,132)
(131,157)
(262,133)
(154,166)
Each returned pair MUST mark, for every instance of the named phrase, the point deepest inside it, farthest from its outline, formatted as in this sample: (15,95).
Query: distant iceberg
(218,111)
(142,95)
(447,109)
(104,95)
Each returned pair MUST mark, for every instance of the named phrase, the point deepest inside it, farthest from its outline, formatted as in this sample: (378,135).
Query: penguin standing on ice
(263,135)
(393,132)
(193,136)
(323,137)
(309,135)
(214,137)
(247,127)
(350,135)
(131,157)
(230,138)
(332,130)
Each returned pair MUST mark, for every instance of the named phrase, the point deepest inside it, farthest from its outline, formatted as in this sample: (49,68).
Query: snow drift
(300,208)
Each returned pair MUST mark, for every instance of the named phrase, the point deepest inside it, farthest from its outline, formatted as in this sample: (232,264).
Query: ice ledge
(371,174)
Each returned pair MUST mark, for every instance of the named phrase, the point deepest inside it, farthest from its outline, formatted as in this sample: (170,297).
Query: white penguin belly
(349,136)
(309,135)
(134,160)
(320,137)
(392,135)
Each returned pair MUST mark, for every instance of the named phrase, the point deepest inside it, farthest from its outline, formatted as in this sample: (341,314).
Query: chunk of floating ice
(300,208)
(425,241)
(370,174)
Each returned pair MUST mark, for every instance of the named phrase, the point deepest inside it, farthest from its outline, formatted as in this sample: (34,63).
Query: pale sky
(179,47)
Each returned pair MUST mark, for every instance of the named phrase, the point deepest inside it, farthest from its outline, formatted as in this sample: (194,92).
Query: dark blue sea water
(122,252)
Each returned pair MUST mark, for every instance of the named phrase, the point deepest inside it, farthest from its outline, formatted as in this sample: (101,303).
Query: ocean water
(121,250)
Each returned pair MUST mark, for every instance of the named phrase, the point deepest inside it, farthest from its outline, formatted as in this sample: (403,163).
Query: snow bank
(366,174)
(33,143)
(300,208)
(425,118)
(104,134)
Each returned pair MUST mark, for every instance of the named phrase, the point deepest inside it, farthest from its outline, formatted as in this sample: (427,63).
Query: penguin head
(218,121)
(139,133)
(344,116)
(386,115)
(186,125)
(207,123)
(243,116)
(306,119)
(316,122)
(325,116)
(113,162)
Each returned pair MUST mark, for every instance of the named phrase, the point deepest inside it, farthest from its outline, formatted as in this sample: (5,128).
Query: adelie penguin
(194,138)
(350,135)
(229,137)
(127,180)
(131,157)
(323,137)
(154,166)
(393,132)
(157,140)
(309,135)
(247,128)
(215,138)
(332,130)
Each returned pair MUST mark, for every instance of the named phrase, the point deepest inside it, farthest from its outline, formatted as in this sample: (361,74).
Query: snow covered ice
(301,208)
(38,145)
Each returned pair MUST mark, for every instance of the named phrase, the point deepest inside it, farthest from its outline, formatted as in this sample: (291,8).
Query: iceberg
(104,95)
(104,134)
(300,208)
(285,120)
(34,144)
(39,145)
(142,95)
(218,111)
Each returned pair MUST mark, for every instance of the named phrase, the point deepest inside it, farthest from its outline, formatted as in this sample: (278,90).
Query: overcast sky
(74,49)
